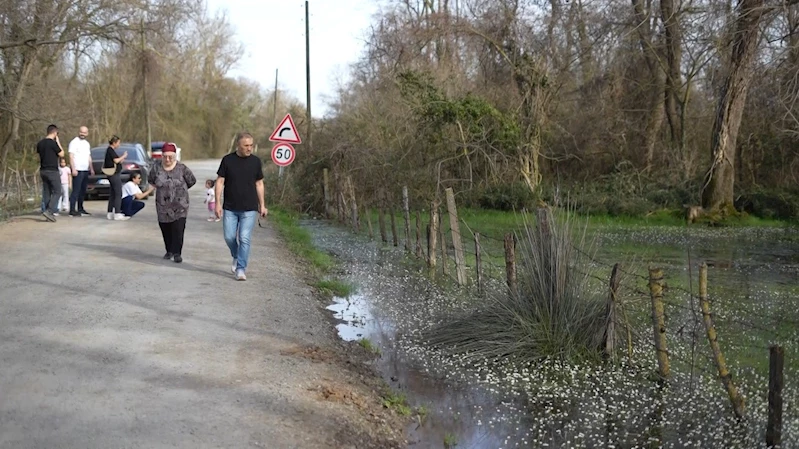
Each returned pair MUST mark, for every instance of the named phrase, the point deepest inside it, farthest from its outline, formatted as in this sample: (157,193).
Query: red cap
(169,147)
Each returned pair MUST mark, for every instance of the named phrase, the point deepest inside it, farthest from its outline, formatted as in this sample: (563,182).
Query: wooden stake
(776,381)
(452,211)
(659,320)
(510,263)
(355,222)
(419,250)
(612,315)
(478,265)
(381,220)
(406,212)
(326,191)
(394,233)
(369,224)
(442,235)
(726,378)
(433,238)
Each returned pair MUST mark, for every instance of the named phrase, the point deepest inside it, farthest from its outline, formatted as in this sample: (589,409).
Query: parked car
(155,151)
(136,161)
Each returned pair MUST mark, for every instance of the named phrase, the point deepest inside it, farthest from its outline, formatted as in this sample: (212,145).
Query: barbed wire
(629,292)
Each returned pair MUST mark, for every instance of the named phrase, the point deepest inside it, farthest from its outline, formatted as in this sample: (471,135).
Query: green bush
(505,197)
(773,204)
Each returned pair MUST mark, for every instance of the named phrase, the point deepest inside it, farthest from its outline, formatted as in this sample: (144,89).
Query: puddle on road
(468,416)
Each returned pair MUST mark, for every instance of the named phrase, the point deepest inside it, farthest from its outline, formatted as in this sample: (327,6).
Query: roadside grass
(396,401)
(450,441)
(369,346)
(298,240)
(335,287)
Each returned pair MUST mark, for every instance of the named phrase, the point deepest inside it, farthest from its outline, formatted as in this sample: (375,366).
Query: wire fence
(20,190)
(687,329)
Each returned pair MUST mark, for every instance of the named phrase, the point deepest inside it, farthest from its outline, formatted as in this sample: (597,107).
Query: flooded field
(753,284)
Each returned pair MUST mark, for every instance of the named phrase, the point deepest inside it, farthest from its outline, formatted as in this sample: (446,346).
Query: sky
(272,33)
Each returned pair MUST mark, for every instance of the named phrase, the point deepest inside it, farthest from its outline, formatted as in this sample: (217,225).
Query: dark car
(156,151)
(136,161)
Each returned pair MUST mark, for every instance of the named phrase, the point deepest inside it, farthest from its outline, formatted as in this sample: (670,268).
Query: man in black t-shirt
(241,178)
(50,152)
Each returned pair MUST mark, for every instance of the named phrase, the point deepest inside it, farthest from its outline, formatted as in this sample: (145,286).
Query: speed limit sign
(283,154)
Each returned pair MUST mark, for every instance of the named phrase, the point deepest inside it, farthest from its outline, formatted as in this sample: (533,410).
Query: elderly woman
(172,181)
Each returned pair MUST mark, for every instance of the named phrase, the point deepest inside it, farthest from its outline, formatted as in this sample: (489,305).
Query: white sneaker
(233,268)
(240,276)
(110,215)
(121,217)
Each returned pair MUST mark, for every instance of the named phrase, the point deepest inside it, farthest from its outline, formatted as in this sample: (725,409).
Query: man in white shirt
(131,193)
(80,159)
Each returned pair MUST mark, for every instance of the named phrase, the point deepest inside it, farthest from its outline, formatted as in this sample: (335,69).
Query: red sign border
(293,154)
(275,138)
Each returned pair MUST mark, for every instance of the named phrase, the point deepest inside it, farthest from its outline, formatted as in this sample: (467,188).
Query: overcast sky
(273,35)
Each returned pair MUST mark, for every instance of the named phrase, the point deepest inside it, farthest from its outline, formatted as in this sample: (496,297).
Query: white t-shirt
(210,196)
(82,150)
(130,189)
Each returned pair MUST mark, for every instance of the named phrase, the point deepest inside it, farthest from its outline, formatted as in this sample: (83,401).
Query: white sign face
(286,131)
(283,154)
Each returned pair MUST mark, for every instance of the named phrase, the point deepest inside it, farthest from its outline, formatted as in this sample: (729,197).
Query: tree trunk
(717,192)
(13,120)
(673,96)
(655,97)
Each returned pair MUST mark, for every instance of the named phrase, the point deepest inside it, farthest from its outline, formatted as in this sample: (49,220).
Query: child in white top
(66,181)
(210,199)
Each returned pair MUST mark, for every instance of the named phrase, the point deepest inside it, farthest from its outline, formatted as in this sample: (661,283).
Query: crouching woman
(132,194)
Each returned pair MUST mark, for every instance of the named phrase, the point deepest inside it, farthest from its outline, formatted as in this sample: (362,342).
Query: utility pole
(274,119)
(145,69)
(274,102)
(308,77)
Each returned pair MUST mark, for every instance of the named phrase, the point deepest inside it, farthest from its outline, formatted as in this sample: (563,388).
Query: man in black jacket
(50,151)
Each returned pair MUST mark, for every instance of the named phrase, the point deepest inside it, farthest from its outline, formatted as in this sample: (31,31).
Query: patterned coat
(171,191)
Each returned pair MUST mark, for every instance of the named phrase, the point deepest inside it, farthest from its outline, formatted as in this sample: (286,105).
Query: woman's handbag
(110,171)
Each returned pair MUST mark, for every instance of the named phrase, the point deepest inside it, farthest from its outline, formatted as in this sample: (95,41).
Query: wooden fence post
(394,233)
(721,364)
(369,224)
(355,222)
(419,251)
(381,218)
(510,263)
(432,238)
(406,212)
(776,381)
(659,320)
(612,315)
(726,378)
(454,227)
(443,237)
(326,191)
(478,264)
(337,197)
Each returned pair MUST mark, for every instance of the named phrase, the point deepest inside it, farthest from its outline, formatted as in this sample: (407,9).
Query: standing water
(555,404)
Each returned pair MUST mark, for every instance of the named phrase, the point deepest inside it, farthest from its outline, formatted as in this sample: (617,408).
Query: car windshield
(134,155)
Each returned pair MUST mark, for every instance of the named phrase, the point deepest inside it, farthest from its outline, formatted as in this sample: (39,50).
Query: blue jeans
(79,185)
(130,206)
(237,226)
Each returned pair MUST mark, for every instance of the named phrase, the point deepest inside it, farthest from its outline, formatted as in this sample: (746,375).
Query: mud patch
(312,353)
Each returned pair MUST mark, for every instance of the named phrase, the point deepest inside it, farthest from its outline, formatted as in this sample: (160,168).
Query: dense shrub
(775,204)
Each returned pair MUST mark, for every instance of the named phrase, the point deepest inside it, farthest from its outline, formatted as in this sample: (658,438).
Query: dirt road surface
(107,345)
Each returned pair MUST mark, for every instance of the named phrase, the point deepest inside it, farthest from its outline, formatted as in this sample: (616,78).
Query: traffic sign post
(283,154)
(286,131)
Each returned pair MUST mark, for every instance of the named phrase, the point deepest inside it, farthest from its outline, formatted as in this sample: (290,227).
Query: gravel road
(106,345)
